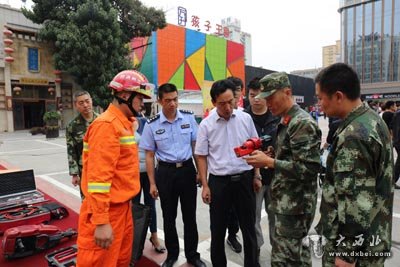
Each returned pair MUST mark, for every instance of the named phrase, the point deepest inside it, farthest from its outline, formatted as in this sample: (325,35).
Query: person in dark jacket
(396,145)
(266,124)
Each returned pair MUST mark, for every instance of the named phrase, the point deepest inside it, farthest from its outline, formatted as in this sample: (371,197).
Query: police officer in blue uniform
(170,136)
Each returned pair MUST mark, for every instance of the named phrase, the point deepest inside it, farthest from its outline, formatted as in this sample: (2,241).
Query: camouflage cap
(272,82)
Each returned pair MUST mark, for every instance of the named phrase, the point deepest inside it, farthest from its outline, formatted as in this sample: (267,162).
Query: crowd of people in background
(389,111)
(115,155)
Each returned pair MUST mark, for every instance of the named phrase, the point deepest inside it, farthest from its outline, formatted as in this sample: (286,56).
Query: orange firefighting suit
(110,179)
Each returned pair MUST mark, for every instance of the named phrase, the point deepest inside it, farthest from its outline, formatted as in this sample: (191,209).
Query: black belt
(176,164)
(233,177)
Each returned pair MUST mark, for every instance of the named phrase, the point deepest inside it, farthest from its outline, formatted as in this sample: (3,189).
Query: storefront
(30,102)
(29,83)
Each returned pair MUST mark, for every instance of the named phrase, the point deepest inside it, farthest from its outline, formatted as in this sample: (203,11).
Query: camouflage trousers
(329,260)
(288,249)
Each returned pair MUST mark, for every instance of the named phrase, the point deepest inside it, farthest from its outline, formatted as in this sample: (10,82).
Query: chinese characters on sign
(198,25)
(182,16)
(359,241)
(196,22)
(219,30)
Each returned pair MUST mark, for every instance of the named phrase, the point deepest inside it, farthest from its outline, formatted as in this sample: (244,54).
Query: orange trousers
(119,253)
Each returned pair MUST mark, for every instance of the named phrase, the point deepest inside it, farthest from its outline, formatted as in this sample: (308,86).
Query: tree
(90,37)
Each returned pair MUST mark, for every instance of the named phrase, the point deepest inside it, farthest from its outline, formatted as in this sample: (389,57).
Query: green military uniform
(75,131)
(357,192)
(294,185)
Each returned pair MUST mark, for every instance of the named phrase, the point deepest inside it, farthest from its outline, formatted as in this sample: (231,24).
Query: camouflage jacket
(297,163)
(357,192)
(74,134)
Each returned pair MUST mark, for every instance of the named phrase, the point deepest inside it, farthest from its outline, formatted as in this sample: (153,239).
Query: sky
(286,35)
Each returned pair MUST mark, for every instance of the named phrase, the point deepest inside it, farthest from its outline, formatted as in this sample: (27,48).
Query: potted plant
(51,119)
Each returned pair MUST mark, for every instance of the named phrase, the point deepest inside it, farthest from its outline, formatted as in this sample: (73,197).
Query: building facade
(330,54)
(186,57)
(370,42)
(29,84)
(236,35)
(308,73)
(190,59)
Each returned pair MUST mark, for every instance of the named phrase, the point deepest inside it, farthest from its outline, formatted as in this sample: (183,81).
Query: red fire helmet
(132,81)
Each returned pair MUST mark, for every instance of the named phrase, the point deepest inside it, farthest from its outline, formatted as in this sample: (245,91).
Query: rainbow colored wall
(186,57)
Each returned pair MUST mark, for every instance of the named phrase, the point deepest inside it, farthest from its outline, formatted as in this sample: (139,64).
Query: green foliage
(51,118)
(90,37)
(137,20)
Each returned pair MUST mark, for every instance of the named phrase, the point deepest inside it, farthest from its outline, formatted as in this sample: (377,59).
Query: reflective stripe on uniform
(99,187)
(127,140)
(85,147)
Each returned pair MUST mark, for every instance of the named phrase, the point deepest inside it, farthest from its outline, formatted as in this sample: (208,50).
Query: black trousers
(236,191)
(175,184)
(397,165)
(233,223)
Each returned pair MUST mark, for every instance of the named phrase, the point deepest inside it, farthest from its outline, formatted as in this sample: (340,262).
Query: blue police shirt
(171,142)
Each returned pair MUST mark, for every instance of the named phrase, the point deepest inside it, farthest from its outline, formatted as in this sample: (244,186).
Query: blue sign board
(33,59)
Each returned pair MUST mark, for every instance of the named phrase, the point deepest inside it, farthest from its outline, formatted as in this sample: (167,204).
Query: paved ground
(48,159)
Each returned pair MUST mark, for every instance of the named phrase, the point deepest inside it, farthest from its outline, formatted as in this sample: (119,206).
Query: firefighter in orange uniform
(111,176)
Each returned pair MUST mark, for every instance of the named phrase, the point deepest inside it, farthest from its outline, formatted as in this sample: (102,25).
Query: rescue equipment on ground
(26,240)
(31,214)
(64,257)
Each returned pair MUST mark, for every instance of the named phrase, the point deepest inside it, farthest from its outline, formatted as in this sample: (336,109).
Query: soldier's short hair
(78,94)
(339,77)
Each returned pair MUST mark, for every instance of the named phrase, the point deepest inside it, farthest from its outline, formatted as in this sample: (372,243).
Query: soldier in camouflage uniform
(296,165)
(357,192)
(75,131)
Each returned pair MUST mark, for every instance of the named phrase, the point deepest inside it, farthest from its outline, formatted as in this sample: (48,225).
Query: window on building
(396,41)
(368,41)
(359,41)
(377,42)
(350,36)
(33,59)
(386,40)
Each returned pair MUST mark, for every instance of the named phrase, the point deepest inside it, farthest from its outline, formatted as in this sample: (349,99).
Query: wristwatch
(257,176)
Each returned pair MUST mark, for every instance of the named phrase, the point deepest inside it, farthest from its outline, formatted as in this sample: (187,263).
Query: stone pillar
(9,107)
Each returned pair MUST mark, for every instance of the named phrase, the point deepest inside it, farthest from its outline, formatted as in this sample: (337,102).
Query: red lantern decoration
(9,59)
(57,80)
(8,41)
(57,72)
(8,50)
(51,90)
(7,32)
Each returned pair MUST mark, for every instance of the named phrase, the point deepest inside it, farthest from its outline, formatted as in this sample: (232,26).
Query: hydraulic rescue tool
(26,240)
(253,144)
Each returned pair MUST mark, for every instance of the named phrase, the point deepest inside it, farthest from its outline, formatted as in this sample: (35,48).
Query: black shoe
(396,186)
(234,244)
(197,263)
(159,249)
(168,263)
